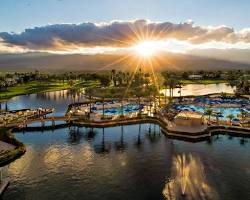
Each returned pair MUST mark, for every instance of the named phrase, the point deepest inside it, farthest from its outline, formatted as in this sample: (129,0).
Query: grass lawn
(208,81)
(38,87)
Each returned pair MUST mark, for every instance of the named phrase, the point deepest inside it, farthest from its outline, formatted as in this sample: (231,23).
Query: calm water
(58,100)
(129,162)
(201,89)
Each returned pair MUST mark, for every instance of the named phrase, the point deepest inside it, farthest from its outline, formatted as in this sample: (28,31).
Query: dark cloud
(118,33)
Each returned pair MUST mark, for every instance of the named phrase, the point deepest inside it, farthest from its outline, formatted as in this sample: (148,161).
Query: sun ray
(115,40)
(146,52)
(114,62)
(132,76)
(153,73)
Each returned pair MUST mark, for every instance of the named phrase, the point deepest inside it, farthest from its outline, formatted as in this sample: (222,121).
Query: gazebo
(189,118)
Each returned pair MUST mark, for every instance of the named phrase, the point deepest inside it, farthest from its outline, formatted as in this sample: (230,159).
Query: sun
(146,48)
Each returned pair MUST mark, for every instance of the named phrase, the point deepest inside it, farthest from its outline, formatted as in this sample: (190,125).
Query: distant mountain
(79,62)
(234,55)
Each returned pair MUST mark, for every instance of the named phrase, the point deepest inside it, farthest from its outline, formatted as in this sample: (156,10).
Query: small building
(189,118)
(195,77)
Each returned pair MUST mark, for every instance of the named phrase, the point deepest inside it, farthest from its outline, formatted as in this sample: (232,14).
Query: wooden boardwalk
(48,119)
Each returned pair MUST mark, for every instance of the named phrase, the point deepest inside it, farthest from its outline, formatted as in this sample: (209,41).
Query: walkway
(5,146)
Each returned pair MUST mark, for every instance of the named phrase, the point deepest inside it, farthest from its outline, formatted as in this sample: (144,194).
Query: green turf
(38,87)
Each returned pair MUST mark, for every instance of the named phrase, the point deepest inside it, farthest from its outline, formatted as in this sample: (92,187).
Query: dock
(3,185)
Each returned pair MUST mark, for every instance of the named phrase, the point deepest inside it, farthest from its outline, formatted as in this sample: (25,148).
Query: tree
(104,79)
(243,115)
(179,85)
(113,76)
(217,115)
(208,112)
(166,86)
(230,117)
(89,92)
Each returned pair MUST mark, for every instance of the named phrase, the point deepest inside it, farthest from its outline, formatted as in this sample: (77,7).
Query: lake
(127,162)
(201,89)
(60,99)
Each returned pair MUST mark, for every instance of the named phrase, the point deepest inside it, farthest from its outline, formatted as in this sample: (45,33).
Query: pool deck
(168,128)
(186,129)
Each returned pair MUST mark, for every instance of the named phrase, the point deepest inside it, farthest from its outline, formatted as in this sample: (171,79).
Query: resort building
(195,77)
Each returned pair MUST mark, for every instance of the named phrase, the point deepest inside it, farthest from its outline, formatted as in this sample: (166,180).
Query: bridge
(42,120)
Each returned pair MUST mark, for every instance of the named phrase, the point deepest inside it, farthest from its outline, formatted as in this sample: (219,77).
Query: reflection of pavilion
(152,134)
(76,134)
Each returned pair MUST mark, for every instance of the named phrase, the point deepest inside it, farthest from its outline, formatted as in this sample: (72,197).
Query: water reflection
(77,133)
(153,134)
(121,145)
(104,147)
(67,164)
(200,89)
(58,100)
(139,140)
(188,180)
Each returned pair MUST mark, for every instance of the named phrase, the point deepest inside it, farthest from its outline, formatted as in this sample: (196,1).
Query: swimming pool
(224,111)
(127,109)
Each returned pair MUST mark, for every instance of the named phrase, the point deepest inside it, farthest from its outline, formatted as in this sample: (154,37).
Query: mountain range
(100,62)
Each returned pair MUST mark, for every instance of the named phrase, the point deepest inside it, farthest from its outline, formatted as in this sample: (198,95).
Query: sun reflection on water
(188,180)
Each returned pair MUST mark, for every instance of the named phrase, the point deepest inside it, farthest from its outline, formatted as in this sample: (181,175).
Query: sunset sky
(100,26)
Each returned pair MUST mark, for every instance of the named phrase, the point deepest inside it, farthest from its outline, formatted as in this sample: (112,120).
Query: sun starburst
(145,54)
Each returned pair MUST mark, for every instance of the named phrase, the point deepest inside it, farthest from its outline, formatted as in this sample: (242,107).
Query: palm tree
(208,112)
(149,92)
(166,86)
(243,115)
(75,91)
(179,85)
(230,117)
(122,108)
(89,92)
(154,92)
(6,106)
(217,115)
(103,101)
(113,76)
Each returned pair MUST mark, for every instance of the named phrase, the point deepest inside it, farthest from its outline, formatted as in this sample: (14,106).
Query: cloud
(118,34)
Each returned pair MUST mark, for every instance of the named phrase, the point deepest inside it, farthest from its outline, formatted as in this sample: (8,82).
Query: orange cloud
(64,37)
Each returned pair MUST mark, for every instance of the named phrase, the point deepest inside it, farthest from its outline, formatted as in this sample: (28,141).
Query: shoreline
(7,97)
(13,154)
(199,136)
(65,86)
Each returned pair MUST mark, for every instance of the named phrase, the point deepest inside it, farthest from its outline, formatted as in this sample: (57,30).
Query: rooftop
(189,114)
